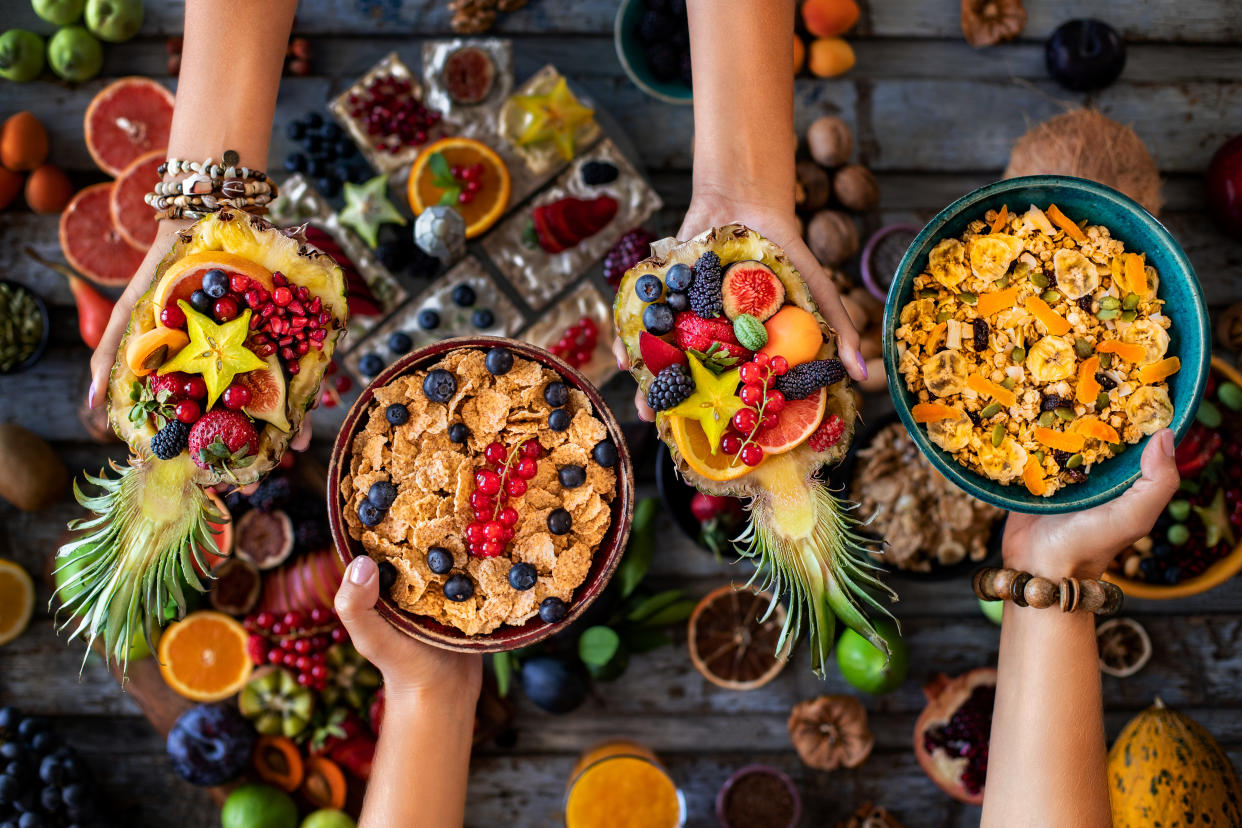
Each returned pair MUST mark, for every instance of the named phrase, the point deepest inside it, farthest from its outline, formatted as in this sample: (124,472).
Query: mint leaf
(449,197)
(440,170)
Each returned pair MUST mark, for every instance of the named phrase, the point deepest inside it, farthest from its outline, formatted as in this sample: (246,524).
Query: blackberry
(670,387)
(706,299)
(981,334)
(272,493)
(1106,382)
(595,173)
(629,251)
(170,440)
(800,381)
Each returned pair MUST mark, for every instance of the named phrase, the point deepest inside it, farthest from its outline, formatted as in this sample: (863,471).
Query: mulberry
(670,387)
(800,381)
(170,440)
(706,298)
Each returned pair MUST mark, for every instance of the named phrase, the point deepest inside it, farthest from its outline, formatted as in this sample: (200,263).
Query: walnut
(855,187)
(870,816)
(988,22)
(472,16)
(830,141)
(832,237)
(812,188)
(1229,327)
(831,732)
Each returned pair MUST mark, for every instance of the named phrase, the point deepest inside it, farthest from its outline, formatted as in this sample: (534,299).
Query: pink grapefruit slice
(91,242)
(133,217)
(794,425)
(129,118)
(186,276)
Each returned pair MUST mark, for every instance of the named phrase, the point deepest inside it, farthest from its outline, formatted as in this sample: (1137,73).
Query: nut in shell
(855,187)
(1229,327)
(813,188)
(831,732)
(988,22)
(830,141)
(832,237)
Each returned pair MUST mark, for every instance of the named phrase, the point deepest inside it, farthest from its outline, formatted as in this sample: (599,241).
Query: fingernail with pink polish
(90,395)
(361,571)
(862,364)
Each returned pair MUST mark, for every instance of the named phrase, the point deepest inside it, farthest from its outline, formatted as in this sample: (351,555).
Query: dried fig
(831,732)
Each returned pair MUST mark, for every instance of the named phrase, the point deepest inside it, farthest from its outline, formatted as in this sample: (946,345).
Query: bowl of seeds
(24,327)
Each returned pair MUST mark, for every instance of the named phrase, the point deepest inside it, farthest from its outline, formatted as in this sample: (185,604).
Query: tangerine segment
(1033,477)
(1061,440)
(1161,370)
(1097,429)
(1136,274)
(16,600)
(692,443)
(1053,321)
(1065,223)
(996,301)
(1088,389)
(490,200)
(1001,218)
(794,425)
(933,412)
(1129,351)
(203,657)
(986,388)
(185,276)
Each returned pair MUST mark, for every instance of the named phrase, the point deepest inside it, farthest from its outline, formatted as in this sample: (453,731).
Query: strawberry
(693,333)
(172,383)
(601,210)
(557,215)
(658,354)
(707,507)
(828,433)
(223,438)
(543,235)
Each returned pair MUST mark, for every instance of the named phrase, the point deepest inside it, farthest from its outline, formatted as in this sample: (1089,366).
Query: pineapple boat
(222,360)
(733,354)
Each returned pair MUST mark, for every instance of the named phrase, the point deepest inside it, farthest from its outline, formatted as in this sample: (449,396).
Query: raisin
(1084,302)
(1052,277)
(1076,475)
(1061,457)
(1052,402)
(1106,382)
(974,418)
(981,334)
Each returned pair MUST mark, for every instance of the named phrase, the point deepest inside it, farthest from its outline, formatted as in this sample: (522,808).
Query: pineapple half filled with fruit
(221,361)
(731,350)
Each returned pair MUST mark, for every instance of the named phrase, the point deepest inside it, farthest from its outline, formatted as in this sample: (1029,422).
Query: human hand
(1083,543)
(781,227)
(410,667)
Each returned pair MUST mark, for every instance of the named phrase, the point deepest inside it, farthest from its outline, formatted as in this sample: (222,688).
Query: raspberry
(631,249)
(828,434)
(706,299)
(800,381)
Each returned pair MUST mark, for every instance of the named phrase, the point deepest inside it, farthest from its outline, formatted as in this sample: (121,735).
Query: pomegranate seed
(285,341)
(266,311)
(255,321)
(279,279)
(318,335)
(303,293)
(302,348)
(293,368)
(282,296)
(274,656)
(238,282)
(296,307)
(315,305)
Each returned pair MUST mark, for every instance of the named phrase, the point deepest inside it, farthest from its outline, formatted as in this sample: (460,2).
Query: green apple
(74,54)
(59,12)
(21,55)
(114,20)
(992,609)
(258,806)
(328,818)
(863,665)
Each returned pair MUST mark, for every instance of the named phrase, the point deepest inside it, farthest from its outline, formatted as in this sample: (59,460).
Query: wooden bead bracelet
(208,186)
(1027,590)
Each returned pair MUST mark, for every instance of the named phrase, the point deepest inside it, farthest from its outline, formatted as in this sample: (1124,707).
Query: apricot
(799,54)
(10,186)
(151,349)
(794,334)
(829,18)
(830,56)
(23,142)
(48,190)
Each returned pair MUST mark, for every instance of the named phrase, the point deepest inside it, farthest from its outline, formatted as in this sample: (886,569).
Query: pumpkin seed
(1117,448)
(998,434)
(1102,400)
(1047,419)
(1129,316)
(21,326)
(1208,414)
(1019,354)
(990,410)
(1009,383)
(1106,361)
(1039,455)
(1002,282)
(1110,303)
(1051,296)
(1104,315)
(1074,462)
(1177,534)
(1230,395)
(1179,509)
(1039,280)
(926,293)
(968,297)
(1066,414)
(1131,301)
(1082,348)
(943,316)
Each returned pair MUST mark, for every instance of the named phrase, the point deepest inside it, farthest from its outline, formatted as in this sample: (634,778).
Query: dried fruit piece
(1053,321)
(996,301)
(933,412)
(1159,371)
(1033,477)
(1061,440)
(1128,351)
(1096,429)
(733,638)
(1088,388)
(985,387)
(830,732)
(1065,223)
(988,22)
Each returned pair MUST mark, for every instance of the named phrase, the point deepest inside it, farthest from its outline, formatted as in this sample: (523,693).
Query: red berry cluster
(828,434)
(504,476)
(286,320)
(471,180)
(391,114)
(295,640)
(186,393)
(762,403)
(578,342)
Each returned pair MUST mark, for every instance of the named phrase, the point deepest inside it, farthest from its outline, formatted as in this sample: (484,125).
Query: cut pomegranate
(952,735)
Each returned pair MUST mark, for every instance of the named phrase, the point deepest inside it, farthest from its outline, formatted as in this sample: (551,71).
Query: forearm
(421,762)
(1046,765)
(231,64)
(743,100)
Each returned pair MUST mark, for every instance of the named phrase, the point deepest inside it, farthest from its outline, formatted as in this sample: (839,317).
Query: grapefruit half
(91,243)
(133,217)
(129,118)
(186,276)
(795,424)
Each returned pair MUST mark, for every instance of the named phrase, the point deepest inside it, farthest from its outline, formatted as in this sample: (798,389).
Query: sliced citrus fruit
(203,657)
(1125,647)
(16,600)
(730,644)
(795,423)
(428,182)
(186,276)
(692,443)
(131,216)
(127,118)
(90,242)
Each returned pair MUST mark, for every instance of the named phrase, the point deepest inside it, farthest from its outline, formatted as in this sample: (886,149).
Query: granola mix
(1036,348)
(435,477)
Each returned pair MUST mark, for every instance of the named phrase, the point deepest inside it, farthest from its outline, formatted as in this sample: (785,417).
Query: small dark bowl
(676,495)
(37,353)
(603,564)
(722,797)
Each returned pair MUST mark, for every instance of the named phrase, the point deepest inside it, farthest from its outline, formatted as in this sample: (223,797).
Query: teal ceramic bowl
(634,62)
(1141,232)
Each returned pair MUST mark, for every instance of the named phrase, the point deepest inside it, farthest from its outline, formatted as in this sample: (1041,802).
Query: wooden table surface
(934,118)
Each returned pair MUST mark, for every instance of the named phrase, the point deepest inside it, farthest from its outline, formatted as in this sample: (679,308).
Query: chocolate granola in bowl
(485,483)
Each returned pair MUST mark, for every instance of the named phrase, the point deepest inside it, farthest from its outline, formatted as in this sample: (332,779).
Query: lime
(258,806)
(862,665)
(328,818)
(992,609)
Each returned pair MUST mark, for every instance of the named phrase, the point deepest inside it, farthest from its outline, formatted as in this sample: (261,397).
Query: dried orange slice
(933,412)
(729,644)
(203,657)
(984,387)
(487,204)
(695,449)
(1129,351)
(1088,389)
(1053,321)
(16,600)
(1097,429)
(1065,223)
(1033,477)
(1161,370)
(996,301)
(1061,440)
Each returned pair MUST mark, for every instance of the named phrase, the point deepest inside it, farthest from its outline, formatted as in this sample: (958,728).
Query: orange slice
(692,443)
(16,600)
(996,301)
(1129,351)
(1088,389)
(1041,310)
(490,200)
(203,657)
(1097,429)
(986,388)
(999,222)
(1033,477)
(1158,371)
(796,422)
(1065,223)
(935,338)
(186,276)
(1062,440)
(933,412)
(1136,274)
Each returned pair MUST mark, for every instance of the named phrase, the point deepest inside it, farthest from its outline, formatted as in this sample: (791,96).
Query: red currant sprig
(762,403)
(578,342)
(297,641)
(505,476)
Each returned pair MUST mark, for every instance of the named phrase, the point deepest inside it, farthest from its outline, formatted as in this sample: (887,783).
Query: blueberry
(677,301)
(552,609)
(10,789)
(458,588)
(331,131)
(50,771)
(76,797)
(556,394)
(296,131)
(314,145)
(498,361)
(439,560)
(370,364)
(458,433)
(571,477)
(397,414)
(428,319)
(1173,574)
(554,683)
(595,173)
(216,283)
(1083,55)
(315,167)
(295,162)
(329,187)
(314,120)
(648,287)
(10,718)
(31,820)
(328,155)
(50,798)
(1150,568)
(382,494)
(559,522)
(369,513)
(558,420)
(1162,550)
(658,318)
(678,278)
(463,296)
(395,255)
(11,751)
(440,386)
(522,576)
(605,453)
(387,575)
(483,318)
(346,149)
(27,728)
(201,302)
(399,342)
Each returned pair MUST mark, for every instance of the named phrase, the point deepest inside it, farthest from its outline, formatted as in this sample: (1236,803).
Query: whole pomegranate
(952,733)
(1223,187)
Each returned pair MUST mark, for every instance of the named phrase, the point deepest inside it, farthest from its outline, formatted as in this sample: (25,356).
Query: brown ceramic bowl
(606,558)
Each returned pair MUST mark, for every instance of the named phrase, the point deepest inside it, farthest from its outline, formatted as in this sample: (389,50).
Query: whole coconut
(32,477)
(832,237)
(830,141)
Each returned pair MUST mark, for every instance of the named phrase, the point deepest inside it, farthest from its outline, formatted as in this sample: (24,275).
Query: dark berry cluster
(327,155)
(577,343)
(967,735)
(170,440)
(664,33)
(670,387)
(706,297)
(801,381)
(42,782)
(629,250)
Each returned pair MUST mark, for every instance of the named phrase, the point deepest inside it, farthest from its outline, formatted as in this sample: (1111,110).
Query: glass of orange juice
(621,784)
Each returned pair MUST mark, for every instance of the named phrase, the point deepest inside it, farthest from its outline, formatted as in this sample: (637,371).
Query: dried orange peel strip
(1041,310)
(1136,273)
(986,388)
(1097,429)
(1161,370)
(996,301)
(933,412)
(1065,223)
(1060,440)
(1088,389)
(1129,351)
(1001,219)
(1033,477)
